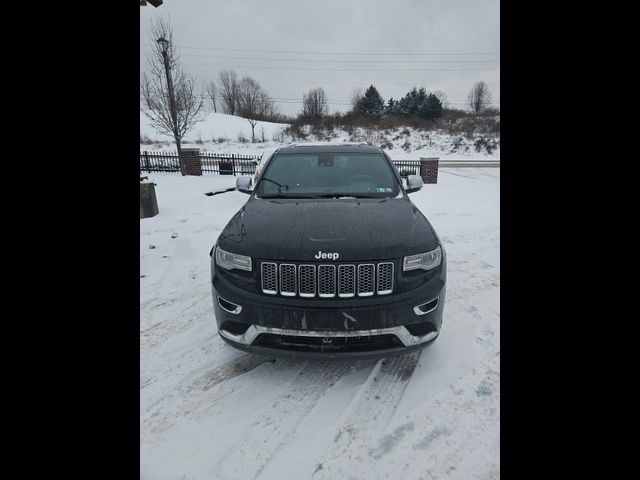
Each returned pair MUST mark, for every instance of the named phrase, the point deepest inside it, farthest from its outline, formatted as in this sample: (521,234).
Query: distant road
(469,163)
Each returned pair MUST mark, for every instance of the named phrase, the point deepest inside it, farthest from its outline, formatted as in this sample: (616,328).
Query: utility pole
(164,43)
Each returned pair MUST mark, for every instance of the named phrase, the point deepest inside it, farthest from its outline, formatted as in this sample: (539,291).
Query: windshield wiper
(328,195)
(279,185)
(338,195)
(344,195)
(295,196)
(322,195)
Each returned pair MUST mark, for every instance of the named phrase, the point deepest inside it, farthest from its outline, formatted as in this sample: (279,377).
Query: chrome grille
(327,280)
(307,280)
(385,278)
(366,279)
(269,278)
(346,281)
(287,279)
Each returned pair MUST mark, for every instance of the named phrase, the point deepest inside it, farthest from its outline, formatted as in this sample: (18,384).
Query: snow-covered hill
(217,127)
(223,133)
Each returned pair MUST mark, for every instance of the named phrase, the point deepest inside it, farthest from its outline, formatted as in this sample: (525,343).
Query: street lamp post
(164,46)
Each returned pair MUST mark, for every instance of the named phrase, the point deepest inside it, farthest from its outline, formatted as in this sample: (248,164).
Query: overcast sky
(291,46)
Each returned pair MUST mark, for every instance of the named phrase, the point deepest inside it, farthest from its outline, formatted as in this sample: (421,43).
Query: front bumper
(326,349)
(371,327)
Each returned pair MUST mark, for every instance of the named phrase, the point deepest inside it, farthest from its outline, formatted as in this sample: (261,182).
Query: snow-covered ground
(216,127)
(219,133)
(208,411)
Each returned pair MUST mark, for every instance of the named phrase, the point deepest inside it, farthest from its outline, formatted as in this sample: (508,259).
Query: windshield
(330,175)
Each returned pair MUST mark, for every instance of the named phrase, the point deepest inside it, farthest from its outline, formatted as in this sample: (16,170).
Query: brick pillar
(192,162)
(429,169)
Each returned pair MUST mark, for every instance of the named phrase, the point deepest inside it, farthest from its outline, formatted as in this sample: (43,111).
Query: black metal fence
(216,163)
(232,164)
(159,162)
(228,164)
(407,167)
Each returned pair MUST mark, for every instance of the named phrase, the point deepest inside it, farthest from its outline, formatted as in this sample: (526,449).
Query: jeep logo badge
(330,256)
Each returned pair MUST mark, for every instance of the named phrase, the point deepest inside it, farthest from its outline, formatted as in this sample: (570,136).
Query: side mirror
(414,183)
(244,184)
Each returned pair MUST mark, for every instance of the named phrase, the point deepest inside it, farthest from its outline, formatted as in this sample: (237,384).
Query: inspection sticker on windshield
(380,189)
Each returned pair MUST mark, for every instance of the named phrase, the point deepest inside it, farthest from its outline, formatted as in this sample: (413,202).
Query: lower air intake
(337,344)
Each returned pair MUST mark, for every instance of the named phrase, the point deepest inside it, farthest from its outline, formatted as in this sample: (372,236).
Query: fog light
(426,307)
(228,306)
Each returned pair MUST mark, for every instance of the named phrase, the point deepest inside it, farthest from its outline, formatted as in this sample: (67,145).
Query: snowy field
(219,133)
(208,411)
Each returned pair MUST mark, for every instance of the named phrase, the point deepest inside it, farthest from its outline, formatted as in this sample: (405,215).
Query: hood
(355,229)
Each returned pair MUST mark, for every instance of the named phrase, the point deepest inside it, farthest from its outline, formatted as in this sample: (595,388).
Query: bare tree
(479,97)
(356,95)
(440,95)
(171,102)
(253,102)
(212,93)
(314,104)
(253,122)
(229,91)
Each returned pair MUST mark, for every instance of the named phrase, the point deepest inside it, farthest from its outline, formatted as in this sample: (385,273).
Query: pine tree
(430,108)
(391,107)
(409,104)
(371,104)
(418,103)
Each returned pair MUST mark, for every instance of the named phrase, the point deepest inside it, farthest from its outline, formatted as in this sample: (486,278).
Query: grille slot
(366,279)
(420,329)
(269,278)
(307,280)
(287,279)
(385,278)
(235,327)
(327,280)
(346,281)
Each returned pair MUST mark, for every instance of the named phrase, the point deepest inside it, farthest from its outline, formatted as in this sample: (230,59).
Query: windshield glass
(328,175)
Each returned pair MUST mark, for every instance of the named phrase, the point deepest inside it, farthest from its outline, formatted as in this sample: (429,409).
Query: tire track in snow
(453,434)
(462,442)
(226,371)
(263,438)
(368,414)
(198,395)
(174,322)
(162,370)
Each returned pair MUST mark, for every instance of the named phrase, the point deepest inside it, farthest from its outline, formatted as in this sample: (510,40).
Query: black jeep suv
(329,257)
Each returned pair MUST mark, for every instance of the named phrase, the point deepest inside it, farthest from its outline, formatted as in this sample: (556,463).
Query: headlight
(230,260)
(426,261)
